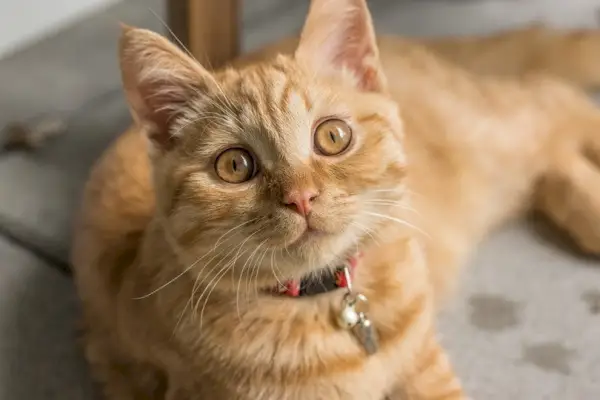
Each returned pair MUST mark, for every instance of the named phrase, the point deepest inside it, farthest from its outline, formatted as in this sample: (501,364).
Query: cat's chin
(320,249)
(308,236)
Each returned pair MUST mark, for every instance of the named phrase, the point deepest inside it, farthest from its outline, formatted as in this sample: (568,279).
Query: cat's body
(478,150)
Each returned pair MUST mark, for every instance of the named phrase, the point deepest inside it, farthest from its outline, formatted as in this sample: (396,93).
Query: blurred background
(525,325)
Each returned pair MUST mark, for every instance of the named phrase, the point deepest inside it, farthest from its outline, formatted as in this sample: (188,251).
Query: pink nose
(300,200)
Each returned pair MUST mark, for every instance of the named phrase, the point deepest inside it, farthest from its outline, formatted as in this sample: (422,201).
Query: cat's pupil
(332,136)
(234,165)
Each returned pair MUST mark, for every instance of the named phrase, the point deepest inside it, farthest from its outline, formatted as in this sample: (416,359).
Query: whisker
(368,231)
(273,267)
(246,263)
(198,282)
(196,287)
(233,229)
(401,190)
(173,244)
(394,190)
(393,203)
(257,267)
(251,266)
(400,221)
(237,296)
(164,23)
(220,276)
(186,270)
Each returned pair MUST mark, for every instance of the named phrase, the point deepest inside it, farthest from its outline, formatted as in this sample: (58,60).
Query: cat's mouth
(320,281)
(315,230)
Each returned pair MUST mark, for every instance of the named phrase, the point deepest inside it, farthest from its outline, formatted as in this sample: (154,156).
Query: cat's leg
(569,194)
(572,55)
(431,377)
(120,378)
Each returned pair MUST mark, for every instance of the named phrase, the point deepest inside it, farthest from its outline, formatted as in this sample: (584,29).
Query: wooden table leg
(208,28)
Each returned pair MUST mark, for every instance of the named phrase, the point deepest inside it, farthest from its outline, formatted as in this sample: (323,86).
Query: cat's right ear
(339,35)
(158,79)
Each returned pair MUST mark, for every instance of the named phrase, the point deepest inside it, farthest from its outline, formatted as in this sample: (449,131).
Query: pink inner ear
(160,111)
(342,39)
(370,81)
(359,56)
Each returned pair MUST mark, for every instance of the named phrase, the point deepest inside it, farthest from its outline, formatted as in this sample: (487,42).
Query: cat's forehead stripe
(271,98)
(301,121)
(261,95)
(293,110)
(284,94)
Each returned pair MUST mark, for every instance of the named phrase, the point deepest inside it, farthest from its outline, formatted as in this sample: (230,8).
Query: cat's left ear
(339,35)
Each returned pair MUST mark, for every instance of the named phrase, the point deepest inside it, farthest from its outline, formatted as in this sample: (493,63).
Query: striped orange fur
(450,138)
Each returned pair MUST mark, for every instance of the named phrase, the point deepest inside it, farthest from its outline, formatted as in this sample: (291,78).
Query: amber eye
(333,137)
(235,166)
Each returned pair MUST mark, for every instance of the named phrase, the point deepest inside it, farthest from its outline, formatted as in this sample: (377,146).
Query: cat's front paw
(569,195)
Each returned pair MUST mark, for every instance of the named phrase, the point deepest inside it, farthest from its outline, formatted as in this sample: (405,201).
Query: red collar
(320,282)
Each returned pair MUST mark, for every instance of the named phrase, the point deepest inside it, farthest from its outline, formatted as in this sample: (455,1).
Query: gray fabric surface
(524,325)
(526,321)
(38,311)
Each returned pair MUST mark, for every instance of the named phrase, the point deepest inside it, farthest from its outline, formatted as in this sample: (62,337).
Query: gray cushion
(38,314)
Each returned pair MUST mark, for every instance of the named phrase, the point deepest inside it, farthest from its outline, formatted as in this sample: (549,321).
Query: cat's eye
(332,137)
(235,166)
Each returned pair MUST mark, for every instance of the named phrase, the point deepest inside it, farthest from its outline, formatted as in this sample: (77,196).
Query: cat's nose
(300,200)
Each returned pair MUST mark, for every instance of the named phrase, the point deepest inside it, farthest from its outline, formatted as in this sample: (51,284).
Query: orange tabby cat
(261,174)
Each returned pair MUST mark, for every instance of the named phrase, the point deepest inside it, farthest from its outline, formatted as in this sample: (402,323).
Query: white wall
(24,21)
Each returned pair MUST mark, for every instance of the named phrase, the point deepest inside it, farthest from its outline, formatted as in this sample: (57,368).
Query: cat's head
(288,164)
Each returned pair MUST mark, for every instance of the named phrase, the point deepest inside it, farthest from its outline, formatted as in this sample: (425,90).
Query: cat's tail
(570,55)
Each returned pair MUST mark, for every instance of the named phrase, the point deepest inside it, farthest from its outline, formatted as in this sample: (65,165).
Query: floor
(524,326)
